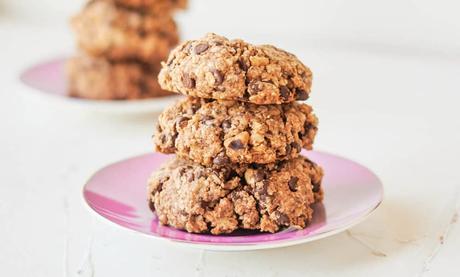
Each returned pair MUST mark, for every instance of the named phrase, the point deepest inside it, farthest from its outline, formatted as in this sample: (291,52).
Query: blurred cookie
(217,132)
(218,68)
(96,78)
(199,199)
(107,30)
(159,7)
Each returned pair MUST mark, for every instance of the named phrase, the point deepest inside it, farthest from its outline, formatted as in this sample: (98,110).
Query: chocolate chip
(163,34)
(143,87)
(316,187)
(225,173)
(307,126)
(142,33)
(285,93)
(236,144)
(254,86)
(221,159)
(188,81)
(288,150)
(263,190)
(242,65)
(226,124)
(200,48)
(182,121)
(228,184)
(259,175)
(229,174)
(151,205)
(206,119)
(293,183)
(190,177)
(159,187)
(301,94)
(173,137)
(287,75)
(163,139)
(218,76)
(182,170)
(301,134)
(283,219)
(296,146)
(205,204)
(158,128)
(195,107)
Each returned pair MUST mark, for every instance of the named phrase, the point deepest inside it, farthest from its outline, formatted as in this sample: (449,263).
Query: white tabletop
(392,107)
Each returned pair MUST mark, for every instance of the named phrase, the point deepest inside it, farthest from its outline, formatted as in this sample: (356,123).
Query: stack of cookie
(122,44)
(237,139)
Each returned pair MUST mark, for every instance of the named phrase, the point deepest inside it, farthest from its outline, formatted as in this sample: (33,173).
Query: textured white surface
(388,100)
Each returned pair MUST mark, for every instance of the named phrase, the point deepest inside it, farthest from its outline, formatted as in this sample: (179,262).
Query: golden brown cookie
(199,199)
(218,68)
(97,78)
(217,132)
(159,7)
(104,29)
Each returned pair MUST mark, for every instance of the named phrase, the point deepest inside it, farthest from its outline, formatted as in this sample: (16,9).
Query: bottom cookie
(97,78)
(199,199)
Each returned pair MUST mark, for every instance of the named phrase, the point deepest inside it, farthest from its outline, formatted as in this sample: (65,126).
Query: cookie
(104,29)
(159,7)
(218,68)
(200,199)
(218,132)
(97,78)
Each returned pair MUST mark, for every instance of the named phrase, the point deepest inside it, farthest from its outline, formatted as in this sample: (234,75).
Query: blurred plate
(118,194)
(49,80)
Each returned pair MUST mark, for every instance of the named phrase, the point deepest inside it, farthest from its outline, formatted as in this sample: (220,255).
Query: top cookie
(218,68)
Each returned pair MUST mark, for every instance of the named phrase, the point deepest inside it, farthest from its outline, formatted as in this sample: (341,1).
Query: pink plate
(49,79)
(118,193)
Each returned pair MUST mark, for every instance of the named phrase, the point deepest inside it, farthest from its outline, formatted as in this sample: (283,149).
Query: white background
(386,90)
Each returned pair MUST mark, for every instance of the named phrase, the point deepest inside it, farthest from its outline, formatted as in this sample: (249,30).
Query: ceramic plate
(117,193)
(49,79)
